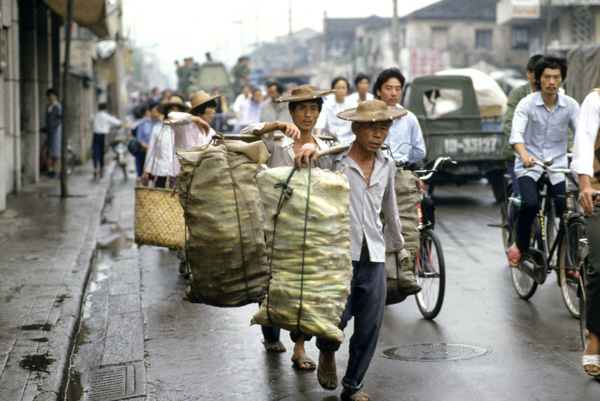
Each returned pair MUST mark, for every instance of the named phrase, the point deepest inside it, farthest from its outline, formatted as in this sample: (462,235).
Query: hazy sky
(175,29)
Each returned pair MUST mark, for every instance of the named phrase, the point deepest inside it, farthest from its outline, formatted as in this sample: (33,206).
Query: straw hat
(173,101)
(199,98)
(304,92)
(372,110)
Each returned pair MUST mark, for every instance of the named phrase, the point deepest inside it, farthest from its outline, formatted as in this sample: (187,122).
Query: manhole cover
(434,352)
(114,383)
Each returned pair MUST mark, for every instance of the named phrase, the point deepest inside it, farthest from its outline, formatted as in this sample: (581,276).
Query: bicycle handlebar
(545,167)
(428,173)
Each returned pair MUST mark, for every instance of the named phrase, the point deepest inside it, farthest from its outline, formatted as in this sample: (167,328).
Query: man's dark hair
(51,91)
(152,105)
(384,76)
(338,79)
(140,111)
(359,78)
(103,106)
(532,61)
(278,87)
(202,108)
(551,61)
(318,101)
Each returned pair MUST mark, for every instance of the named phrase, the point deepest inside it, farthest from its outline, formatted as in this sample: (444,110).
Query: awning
(87,13)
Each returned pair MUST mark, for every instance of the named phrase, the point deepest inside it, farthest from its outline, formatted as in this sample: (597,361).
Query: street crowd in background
(166,120)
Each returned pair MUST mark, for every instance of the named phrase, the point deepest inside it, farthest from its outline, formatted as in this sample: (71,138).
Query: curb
(64,336)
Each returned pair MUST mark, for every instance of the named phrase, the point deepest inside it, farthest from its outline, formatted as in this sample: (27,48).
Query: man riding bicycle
(539,131)
(586,165)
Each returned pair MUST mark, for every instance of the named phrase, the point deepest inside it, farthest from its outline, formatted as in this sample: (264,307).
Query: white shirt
(353,98)
(102,122)
(179,132)
(239,101)
(406,130)
(367,202)
(331,124)
(543,132)
(587,131)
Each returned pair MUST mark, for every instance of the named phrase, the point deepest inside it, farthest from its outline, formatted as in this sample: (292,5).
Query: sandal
(593,360)
(514,257)
(274,346)
(346,396)
(298,362)
(326,375)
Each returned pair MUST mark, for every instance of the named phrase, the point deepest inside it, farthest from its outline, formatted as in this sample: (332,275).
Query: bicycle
(429,265)
(548,239)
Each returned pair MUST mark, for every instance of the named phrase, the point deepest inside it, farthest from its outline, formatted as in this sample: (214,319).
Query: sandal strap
(591,360)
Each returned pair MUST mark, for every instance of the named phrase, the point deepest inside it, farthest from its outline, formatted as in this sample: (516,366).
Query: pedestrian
(161,162)
(240,74)
(371,177)
(54,131)
(539,131)
(251,112)
(241,101)
(405,139)
(220,120)
(102,122)
(305,105)
(362,83)
(514,97)
(328,123)
(272,109)
(586,165)
(143,134)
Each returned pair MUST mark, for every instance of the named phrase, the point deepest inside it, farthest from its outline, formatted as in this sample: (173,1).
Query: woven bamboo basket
(159,218)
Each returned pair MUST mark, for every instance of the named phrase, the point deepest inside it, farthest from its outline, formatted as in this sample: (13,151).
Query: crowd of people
(537,124)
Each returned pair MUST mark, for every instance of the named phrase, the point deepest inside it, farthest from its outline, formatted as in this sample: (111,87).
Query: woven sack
(309,241)
(158,218)
(226,249)
(407,187)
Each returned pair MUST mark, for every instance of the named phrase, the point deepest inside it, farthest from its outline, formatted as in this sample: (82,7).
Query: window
(519,37)
(483,38)
(439,38)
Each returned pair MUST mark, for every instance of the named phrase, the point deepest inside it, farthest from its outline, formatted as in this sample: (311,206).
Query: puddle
(36,363)
(43,327)
(5,299)
(74,387)
(114,238)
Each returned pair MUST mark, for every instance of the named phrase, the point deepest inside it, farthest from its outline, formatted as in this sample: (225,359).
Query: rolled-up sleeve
(586,133)
(393,228)
(519,124)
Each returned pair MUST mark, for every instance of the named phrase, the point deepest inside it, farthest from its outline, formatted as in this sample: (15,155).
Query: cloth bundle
(226,248)
(407,187)
(311,267)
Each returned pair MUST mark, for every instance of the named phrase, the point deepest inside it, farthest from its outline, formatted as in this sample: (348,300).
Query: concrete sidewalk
(47,246)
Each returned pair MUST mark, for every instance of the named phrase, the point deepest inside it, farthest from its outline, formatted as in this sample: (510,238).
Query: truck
(454,125)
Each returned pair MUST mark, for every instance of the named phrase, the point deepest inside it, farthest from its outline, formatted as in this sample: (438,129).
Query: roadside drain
(114,383)
(434,352)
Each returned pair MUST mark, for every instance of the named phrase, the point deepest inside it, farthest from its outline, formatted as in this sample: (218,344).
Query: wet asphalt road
(198,352)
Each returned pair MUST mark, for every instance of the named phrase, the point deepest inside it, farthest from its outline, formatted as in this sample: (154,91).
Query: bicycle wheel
(508,212)
(570,263)
(523,282)
(430,272)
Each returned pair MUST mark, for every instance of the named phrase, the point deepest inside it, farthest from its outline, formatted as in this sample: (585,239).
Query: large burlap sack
(393,266)
(407,187)
(226,249)
(307,291)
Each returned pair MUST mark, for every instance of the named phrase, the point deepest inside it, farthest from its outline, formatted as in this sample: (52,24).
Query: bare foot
(300,352)
(593,348)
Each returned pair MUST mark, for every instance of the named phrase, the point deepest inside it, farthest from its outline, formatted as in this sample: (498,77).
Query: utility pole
(120,90)
(395,44)
(290,52)
(64,191)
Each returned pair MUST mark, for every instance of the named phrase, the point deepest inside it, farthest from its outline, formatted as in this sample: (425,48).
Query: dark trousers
(98,145)
(366,303)
(592,284)
(510,166)
(271,333)
(530,205)
(140,160)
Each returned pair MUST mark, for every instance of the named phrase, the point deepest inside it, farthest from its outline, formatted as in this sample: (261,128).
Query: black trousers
(530,204)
